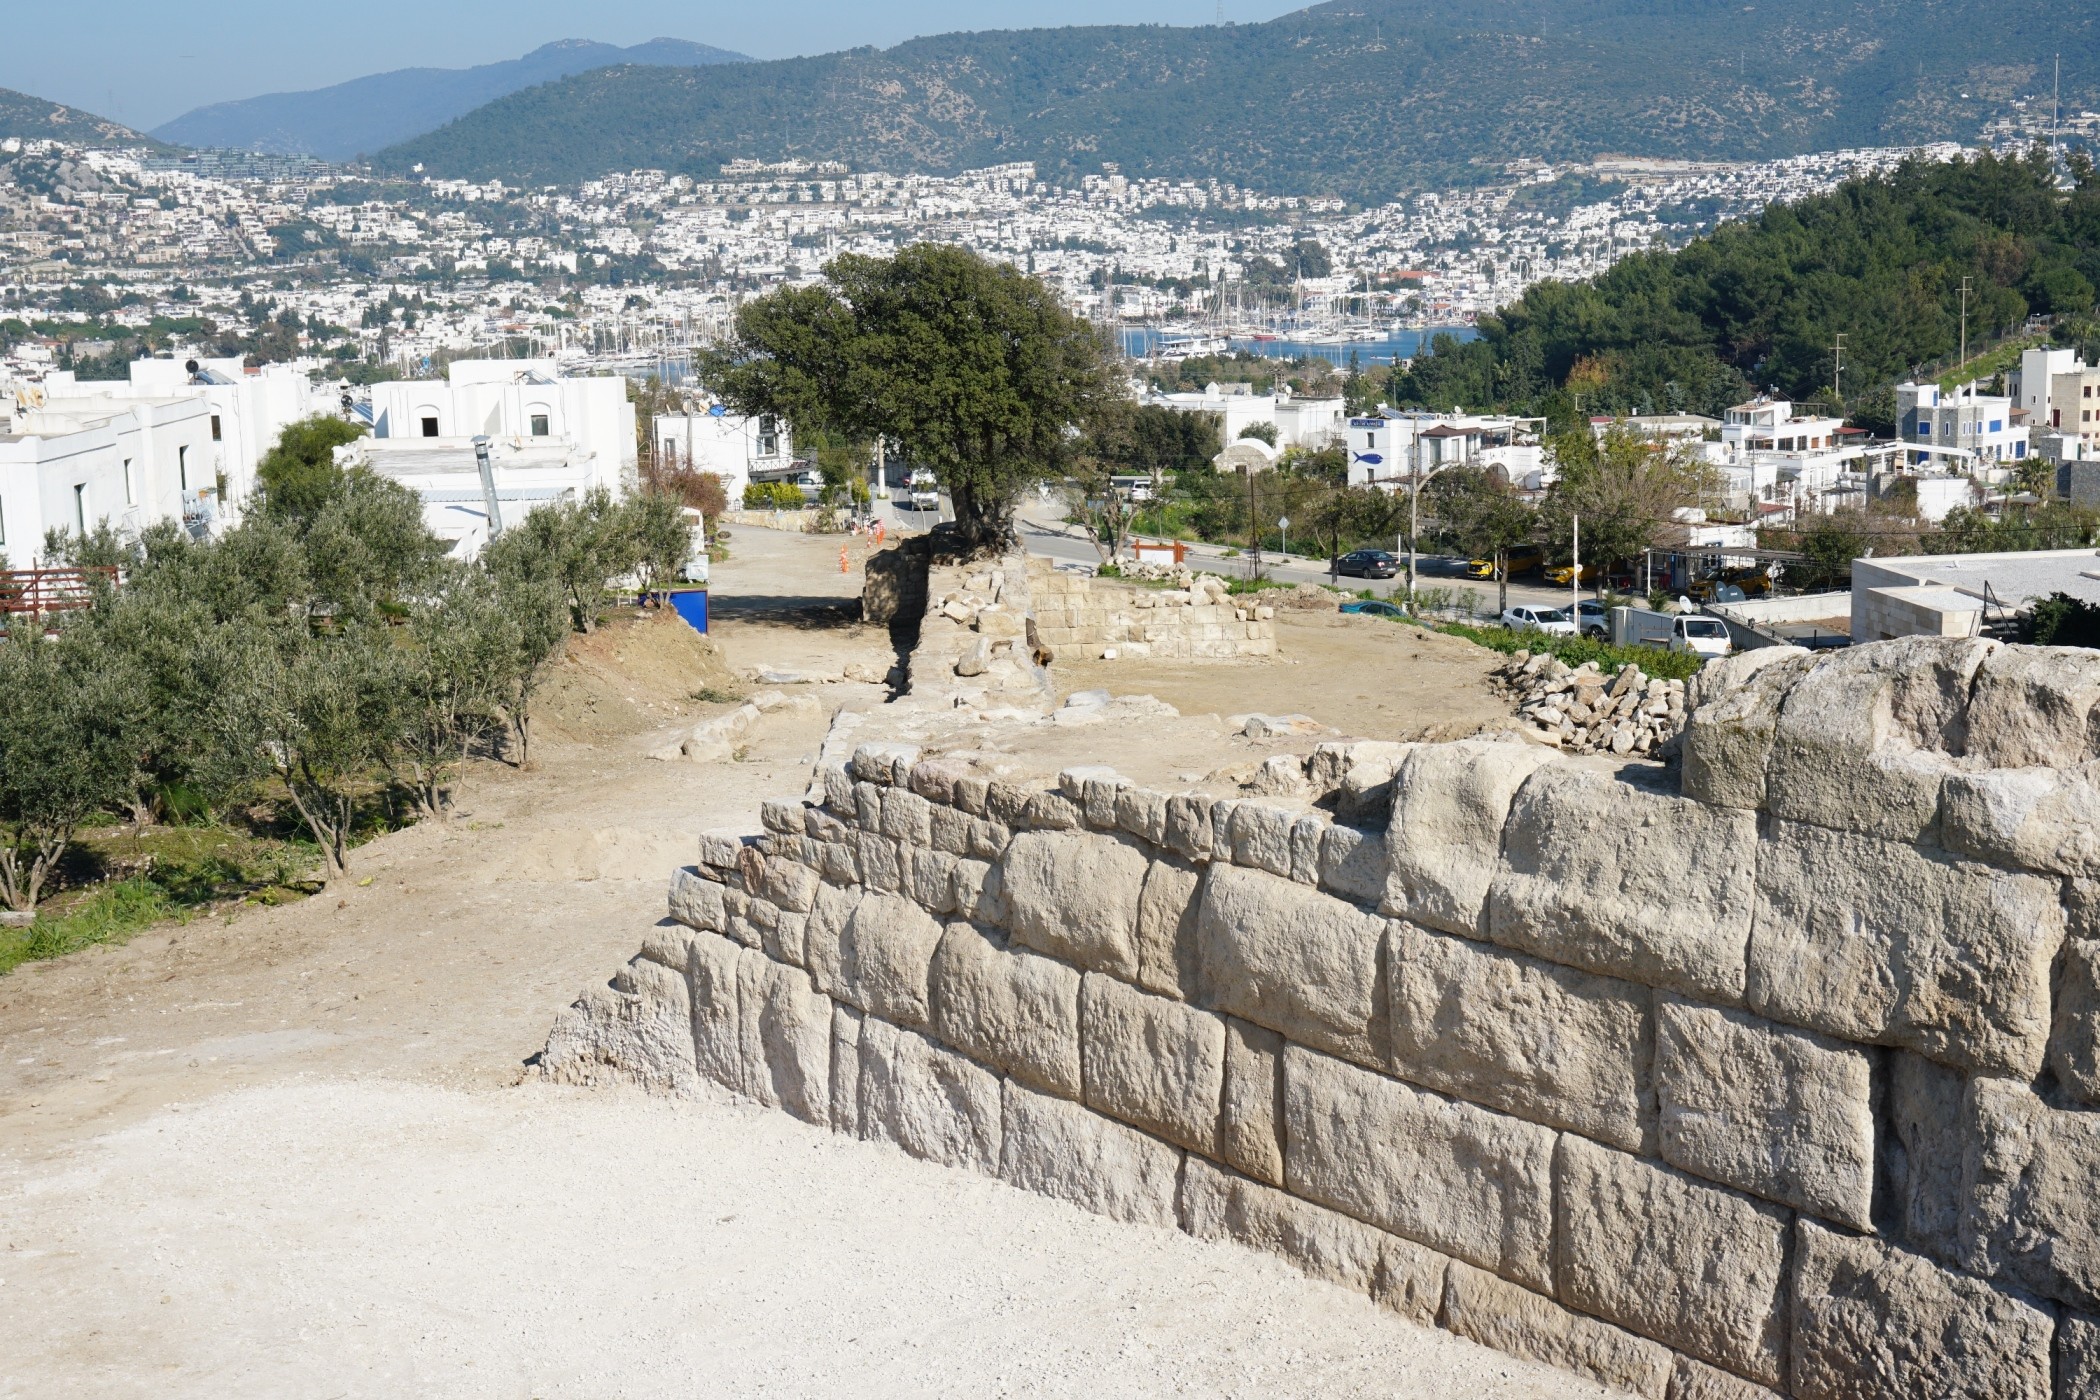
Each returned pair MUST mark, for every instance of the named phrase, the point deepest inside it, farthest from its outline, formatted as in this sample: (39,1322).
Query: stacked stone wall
(1093,618)
(1776,1071)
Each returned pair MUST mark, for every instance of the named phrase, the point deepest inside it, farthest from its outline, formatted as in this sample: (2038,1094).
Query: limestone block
(1862,741)
(2041,818)
(1871,1321)
(2077,1357)
(1305,848)
(696,902)
(1485,1309)
(1733,709)
(823,935)
(845,1069)
(1333,760)
(867,805)
(2031,1216)
(989,839)
(837,863)
(1696,1266)
(1352,863)
(1217,1204)
(2074,1032)
(794,1021)
(929,881)
(974,892)
(2032,707)
(879,860)
(1166,932)
(1142,813)
(926,1099)
(907,817)
(753,971)
(790,884)
(1006,802)
(948,829)
(1463,1180)
(1188,827)
(785,818)
(1884,941)
(1608,871)
(1299,962)
(1009,1008)
(1049,811)
(838,789)
(1547,1043)
(1444,846)
(722,848)
(669,944)
(1155,1063)
(1924,1155)
(1074,895)
(1261,836)
(1250,1118)
(637,1030)
(885,956)
(1058,1148)
(1695,1380)
(787,940)
(1783,1114)
(883,763)
(716,1024)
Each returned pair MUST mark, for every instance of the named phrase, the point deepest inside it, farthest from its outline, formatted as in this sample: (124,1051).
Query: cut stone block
(1695,1266)
(1608,871)
(1074,895)
(1058,1148)
(1463,1180)
(638,1030)
(1924,1155)
(1784,1114)
(1261,836)
(845,1070)
(1546,1043)
(1217,1204)
(794,1022)
(1444,847)
(1353,863)
(716,1028)
(1872,1321)
(2077,1357)
(1153,1062)
(1166,934)
(885,955)
(1008,1007)
(1733,709)
(1863,739)
(1485,1309)
(928,1100)
(2044,819)
(2074,1032)
(1695,1380)
(2033,707)
(1884,942)
(696,902)
(1301,963)
(824,933)
(2031,1214)
(1250,1123)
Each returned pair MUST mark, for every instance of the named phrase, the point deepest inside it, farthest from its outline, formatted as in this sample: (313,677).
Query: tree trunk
(1502,581)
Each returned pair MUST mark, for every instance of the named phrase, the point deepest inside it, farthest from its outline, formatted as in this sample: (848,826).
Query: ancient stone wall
(1093,618)
(1772,1070)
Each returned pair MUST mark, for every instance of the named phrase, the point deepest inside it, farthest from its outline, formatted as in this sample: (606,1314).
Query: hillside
(23,115)
(1359,97)
(365,114)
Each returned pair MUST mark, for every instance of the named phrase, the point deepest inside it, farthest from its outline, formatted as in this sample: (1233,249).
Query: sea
(1138,342)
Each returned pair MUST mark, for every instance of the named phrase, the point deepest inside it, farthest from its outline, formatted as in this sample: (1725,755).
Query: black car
(1368,563)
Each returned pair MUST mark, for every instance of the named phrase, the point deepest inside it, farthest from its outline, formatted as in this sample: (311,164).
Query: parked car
(1527,618)
(1563,575)
(1590,618)
(1688,633)
(1367,563)
(1374,607)
(1522,560)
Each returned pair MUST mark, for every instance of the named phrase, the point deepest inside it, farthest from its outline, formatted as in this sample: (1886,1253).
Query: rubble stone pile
(1581,709)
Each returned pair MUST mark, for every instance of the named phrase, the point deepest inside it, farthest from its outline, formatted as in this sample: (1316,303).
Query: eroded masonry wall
(1771,1069)
(1196,621)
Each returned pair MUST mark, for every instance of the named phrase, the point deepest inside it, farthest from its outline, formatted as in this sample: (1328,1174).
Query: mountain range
(1355,97)
(365,114)
(26,116)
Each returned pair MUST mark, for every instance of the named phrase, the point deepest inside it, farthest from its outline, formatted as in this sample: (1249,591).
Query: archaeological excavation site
(1758,1055)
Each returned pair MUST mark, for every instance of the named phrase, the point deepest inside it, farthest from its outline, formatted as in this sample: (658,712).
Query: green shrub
(773,495)
(1653,661)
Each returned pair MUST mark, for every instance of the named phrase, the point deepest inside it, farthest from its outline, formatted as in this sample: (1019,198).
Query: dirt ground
(289,1153)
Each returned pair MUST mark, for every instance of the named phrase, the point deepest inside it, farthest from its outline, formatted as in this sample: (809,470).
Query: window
(768,436)
(1997,425)
(182,466)
(430,426)
(539,425)
(215,427)
(131,484)
(80,508)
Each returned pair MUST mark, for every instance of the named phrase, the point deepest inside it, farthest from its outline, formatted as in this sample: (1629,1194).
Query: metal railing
(41,592)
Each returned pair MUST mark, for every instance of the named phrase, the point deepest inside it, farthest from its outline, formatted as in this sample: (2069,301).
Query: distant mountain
(23,115)
(1358,97)
(365,114)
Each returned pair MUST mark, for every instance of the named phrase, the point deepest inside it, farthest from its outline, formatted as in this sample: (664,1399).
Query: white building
(517,401)
(1390,447)
(732,446)
(446,474)
(75,463)
(1308,423)
(2032,385)
(1982,430)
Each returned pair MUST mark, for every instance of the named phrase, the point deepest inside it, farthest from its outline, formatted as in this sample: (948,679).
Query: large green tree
(973,368)
(1476,509)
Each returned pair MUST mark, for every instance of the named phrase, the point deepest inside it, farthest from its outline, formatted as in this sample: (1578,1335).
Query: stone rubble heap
(1582,710)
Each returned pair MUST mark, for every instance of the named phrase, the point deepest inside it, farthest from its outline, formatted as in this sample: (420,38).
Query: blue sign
(1367,422)
(1370,458)
(715,410)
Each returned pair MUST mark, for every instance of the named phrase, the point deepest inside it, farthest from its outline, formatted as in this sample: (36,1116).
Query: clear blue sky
(144,63)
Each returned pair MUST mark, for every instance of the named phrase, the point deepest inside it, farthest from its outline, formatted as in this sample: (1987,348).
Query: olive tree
(66,752)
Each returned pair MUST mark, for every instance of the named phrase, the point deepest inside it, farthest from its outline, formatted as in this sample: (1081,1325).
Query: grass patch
(1574,651)
(715,695)
(166,874)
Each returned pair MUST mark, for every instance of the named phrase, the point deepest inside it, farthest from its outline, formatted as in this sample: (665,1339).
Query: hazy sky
(145,63)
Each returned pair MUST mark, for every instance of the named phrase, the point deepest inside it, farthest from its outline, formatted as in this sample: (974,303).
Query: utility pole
(1837,372)
(1414,510)
(1575,578)
(1253,533)
(1965,321)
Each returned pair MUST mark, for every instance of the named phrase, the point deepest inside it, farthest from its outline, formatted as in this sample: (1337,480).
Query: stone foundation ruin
(1774,1069)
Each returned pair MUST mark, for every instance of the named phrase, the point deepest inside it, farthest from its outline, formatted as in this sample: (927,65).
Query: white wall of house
(730,445)
(74,464)
(519,400)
